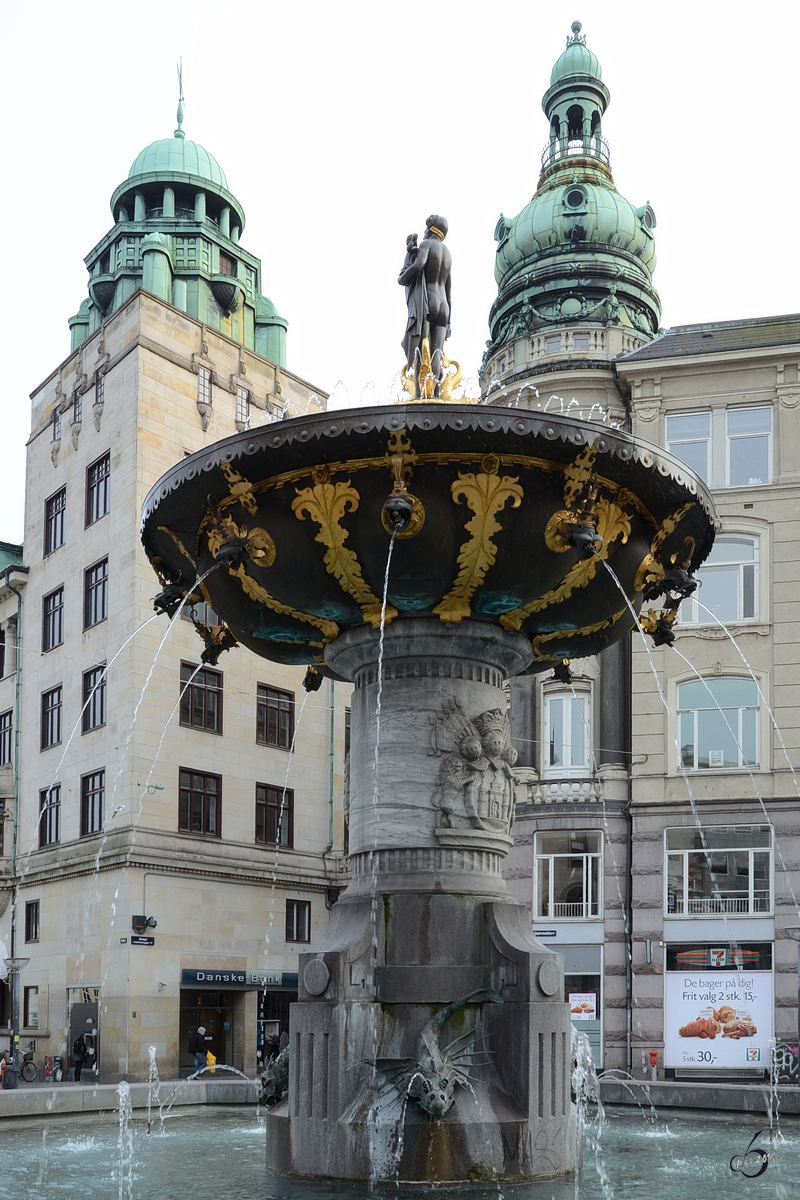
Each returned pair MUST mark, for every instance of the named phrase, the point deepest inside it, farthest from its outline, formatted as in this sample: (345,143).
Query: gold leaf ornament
(327,503)
(486,494)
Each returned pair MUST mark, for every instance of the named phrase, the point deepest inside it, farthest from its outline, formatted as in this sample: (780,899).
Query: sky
(341,126)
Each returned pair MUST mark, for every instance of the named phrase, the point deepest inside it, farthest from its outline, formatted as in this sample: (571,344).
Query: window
(54,521)
(568,875)
(32,921)
(226,265)
(6,737)
(718,723)
(51,717)
(719,869)
(274,717)
(56,425)
(203,385)
(93,798)
(94,699)
(100,388)
(53,619)
(95,594)
(566,733)
(298,920)
(98,476)
(201,701)
(201,612)
(749,438)
(242,406)
(50,815)
(689,438)
(77,406)
(580,342)
(729,583)
(552,345)
(30,1008)
(274,810)
(200,803)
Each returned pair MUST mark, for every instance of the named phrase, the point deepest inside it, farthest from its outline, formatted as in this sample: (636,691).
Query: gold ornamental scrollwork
(241,490)
(559,634)
(612,523)
(257,542)
(486,494)
(326,503)
(451,377)
(578,474)
(328,629)
(401,457)
(669,525)
(649,572)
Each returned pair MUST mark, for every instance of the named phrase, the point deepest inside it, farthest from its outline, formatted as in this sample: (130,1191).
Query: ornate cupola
(574,268)
(176,234)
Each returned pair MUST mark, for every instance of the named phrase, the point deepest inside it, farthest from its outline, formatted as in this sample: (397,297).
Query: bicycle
(27,1070)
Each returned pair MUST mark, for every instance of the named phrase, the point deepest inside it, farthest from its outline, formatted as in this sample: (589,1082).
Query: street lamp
(14,966)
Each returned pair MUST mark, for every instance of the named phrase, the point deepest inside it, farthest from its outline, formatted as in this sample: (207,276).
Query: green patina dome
(178,156)
(577,59)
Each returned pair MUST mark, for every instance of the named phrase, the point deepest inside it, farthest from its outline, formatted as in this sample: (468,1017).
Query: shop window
(32,921)
(719,870)
(749,446)
(95,594)
(53,619)
(728,583)
(200,803)
(274,717)
(298,920)
(568,875)
(51,717)
(201,700)
(566,734)
(6,737)
(30,1008)
(274,812)
(93,798)
(55,511)
(718,722)
(689,439)
(98,479)
(94,699)
(50,815)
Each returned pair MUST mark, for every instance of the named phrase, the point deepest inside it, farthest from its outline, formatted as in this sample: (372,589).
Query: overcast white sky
(340,126)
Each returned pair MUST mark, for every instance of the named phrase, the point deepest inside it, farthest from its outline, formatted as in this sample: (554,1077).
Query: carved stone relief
(475,786)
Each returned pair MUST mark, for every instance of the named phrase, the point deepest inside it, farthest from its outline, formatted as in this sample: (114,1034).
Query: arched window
(567,741)
(718,723)
(728,583)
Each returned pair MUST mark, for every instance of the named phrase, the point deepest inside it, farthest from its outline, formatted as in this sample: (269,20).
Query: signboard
(138,940)
(240,979)
(719,1018)
(583,1006)
(544,933)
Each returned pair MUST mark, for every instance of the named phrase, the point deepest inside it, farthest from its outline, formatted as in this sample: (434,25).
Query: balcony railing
(564,791)
(592,147)
(717,905)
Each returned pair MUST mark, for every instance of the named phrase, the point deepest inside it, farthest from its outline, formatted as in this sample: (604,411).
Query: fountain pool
(212,1152)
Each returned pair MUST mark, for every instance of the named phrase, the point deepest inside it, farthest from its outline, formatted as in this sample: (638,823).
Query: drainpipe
(329,846)
(17,681)
(629,939)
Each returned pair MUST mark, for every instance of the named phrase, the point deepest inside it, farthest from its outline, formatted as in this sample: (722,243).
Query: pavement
(44,1098)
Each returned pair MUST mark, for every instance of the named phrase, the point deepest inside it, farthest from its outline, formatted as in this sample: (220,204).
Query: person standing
(80,1052)
(197,1047)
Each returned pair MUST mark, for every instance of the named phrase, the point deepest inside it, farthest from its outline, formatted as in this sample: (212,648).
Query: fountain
(429,999)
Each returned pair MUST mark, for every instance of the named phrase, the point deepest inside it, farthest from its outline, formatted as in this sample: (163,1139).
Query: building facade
(173,831)
(654,836)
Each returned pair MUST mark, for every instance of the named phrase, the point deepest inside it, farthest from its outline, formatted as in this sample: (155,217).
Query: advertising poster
(583,1006)
(718,1019)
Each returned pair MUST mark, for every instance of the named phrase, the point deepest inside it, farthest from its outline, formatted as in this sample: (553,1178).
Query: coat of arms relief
(474,794)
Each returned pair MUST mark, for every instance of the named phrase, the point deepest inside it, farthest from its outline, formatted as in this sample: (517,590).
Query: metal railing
(710,905)
(591,147)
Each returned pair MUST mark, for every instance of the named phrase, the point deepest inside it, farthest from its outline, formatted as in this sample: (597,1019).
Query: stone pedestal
(426,922)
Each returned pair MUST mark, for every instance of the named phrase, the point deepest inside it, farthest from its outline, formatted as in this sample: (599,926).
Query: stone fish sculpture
(431,1077)
(275,1079)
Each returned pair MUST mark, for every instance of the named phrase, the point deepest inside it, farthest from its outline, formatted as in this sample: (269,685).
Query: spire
(576,28)
(179,131)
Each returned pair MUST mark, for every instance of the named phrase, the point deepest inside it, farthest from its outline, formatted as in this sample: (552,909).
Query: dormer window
(226,265)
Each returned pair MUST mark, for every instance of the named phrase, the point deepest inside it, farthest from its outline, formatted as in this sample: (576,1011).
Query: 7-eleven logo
(753,1054)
